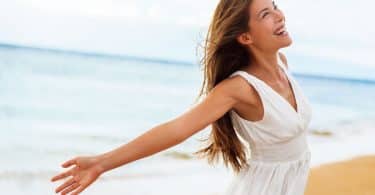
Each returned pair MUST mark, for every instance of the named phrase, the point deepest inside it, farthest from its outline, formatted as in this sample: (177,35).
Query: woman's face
(267,26)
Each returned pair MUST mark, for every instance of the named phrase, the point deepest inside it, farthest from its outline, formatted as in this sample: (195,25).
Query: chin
(289,43)
(286,43)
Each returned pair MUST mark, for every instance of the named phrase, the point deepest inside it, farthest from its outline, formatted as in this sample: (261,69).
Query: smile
(280,31)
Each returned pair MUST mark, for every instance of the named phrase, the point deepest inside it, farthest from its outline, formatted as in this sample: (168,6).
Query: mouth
(280,31)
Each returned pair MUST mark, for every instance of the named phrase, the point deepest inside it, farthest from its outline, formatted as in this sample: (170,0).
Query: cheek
(263,31)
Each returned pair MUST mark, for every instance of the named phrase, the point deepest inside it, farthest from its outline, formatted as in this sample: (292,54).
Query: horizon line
(168,61)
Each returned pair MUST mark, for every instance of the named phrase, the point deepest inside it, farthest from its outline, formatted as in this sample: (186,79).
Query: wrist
(101,164)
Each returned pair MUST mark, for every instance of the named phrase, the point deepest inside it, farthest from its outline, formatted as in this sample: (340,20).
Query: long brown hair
(222,55)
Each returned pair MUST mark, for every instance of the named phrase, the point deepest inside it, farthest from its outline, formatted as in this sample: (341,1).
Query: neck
(266,62)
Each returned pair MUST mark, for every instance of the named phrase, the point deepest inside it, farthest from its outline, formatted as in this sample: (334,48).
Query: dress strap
(249,78)
(253,81)
(257,85)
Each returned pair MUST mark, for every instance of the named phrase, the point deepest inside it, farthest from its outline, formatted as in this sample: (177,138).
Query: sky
(172,29)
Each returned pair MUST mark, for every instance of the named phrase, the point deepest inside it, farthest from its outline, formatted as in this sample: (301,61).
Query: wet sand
(355,176)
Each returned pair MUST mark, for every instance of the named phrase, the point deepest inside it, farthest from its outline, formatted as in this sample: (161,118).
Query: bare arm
(221,99)
(173,132)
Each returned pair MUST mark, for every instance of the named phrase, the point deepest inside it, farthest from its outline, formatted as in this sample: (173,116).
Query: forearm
(154,140)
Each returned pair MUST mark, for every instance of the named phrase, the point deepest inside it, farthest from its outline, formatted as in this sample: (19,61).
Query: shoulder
(238,88)
(283,58)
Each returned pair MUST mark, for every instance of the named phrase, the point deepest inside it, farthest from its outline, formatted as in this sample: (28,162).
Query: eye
(265,14)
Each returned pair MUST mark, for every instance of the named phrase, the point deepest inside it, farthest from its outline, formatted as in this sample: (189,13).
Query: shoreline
(175,170)
(352,176)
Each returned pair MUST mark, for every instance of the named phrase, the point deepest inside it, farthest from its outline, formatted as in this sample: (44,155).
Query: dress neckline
(296,111)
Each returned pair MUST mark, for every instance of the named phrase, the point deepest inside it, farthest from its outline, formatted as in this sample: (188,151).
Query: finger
(60,176)
(70,188)
(66,184)
(69,163)
(63,175)
(79,190)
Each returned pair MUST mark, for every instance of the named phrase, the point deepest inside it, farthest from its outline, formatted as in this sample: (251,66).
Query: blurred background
(83,77)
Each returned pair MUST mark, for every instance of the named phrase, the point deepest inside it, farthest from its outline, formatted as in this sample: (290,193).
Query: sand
(355,176)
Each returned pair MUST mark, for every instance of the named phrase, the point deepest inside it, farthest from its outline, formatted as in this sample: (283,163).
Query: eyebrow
(273,3)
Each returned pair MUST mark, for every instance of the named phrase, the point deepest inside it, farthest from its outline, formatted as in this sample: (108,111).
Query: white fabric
(280,157)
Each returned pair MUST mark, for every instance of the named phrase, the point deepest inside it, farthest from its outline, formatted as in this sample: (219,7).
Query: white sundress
(279,159)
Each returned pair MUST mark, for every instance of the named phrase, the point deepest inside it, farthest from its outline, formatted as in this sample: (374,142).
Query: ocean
(57,104)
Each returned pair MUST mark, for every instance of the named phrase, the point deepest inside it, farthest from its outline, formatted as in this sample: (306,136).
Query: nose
(279,16)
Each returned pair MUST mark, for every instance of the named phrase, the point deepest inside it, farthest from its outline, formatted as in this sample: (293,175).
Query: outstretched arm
(163,136)
(173,132)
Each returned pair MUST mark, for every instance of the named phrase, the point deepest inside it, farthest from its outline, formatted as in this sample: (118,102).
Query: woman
(249,95)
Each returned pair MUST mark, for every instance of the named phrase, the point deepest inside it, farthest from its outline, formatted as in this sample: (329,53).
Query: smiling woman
(273,119)
(67,103)
(249,94)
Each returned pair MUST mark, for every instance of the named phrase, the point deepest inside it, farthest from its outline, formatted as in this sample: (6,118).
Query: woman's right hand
(85,171)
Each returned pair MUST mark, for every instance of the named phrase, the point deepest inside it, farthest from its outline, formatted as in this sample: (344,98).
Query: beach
(342,162)
(81,78)
(355,176)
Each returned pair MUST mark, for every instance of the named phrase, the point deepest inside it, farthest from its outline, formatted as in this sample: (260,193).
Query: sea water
(55,105)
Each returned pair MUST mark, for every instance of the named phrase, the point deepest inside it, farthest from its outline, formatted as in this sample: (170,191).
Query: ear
(245,38)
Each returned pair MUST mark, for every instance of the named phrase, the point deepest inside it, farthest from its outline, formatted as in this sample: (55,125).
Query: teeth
(281,31)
